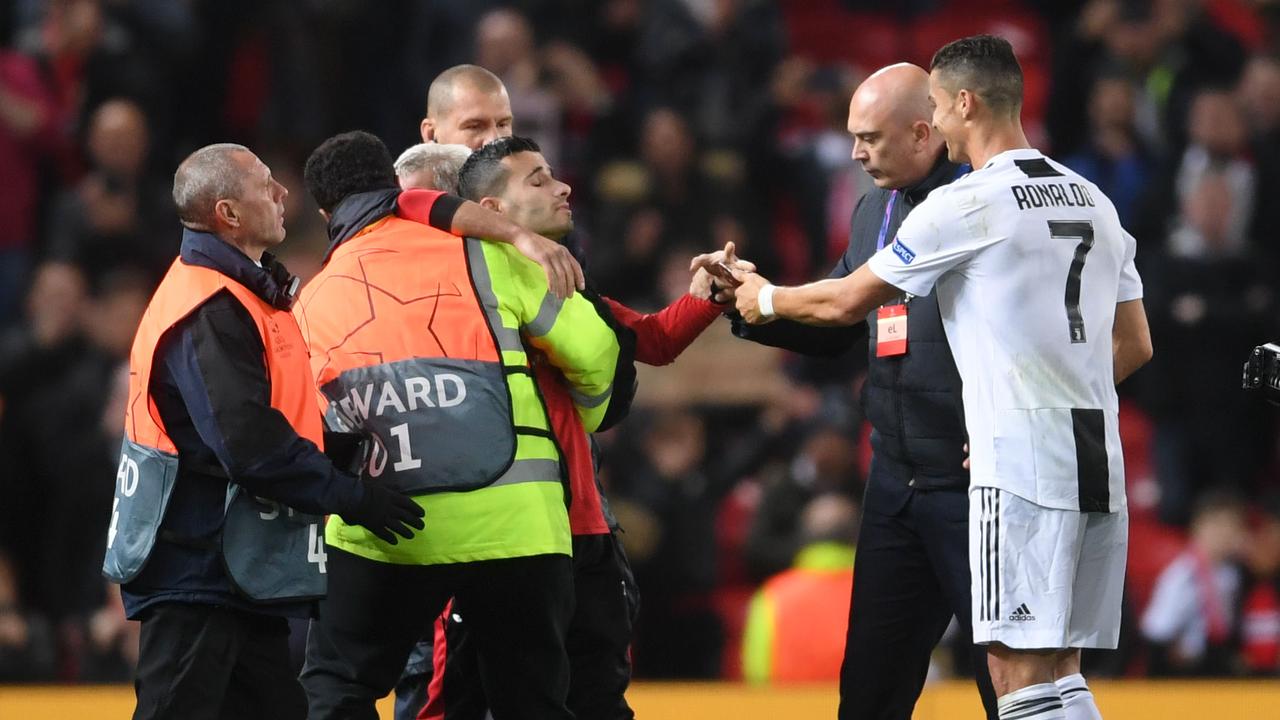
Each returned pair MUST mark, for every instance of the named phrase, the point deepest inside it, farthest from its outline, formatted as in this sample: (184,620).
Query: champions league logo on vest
(280,344)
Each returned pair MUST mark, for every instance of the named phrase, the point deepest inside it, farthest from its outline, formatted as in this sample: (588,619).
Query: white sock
(1036,702)
(1076,698)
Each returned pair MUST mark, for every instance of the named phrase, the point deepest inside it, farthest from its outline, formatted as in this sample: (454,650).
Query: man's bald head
(440,95)
(889,120)
(466,105)
(900,92)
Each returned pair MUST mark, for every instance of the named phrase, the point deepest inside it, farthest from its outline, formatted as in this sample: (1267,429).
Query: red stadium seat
(826,32)
(1240,19)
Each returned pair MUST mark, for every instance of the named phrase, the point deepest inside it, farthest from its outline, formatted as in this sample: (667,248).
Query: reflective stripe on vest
(408,347)
(268,555)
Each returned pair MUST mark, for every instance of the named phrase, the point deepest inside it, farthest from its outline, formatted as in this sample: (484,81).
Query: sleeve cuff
(430,207)
(442,212)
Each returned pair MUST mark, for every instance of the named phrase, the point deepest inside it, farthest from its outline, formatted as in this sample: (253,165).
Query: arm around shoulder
(581,339)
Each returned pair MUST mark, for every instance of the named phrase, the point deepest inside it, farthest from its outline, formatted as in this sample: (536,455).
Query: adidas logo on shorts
(1022,614)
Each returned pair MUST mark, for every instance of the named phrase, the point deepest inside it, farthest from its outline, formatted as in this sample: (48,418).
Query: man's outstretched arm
(842,301)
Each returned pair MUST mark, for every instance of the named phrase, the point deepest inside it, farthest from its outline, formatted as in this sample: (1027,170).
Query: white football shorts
(1045,578)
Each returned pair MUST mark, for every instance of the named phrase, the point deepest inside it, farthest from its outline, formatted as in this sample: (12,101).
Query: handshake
(723,278)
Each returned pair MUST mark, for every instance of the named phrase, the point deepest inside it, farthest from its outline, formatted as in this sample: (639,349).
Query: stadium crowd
(680,124)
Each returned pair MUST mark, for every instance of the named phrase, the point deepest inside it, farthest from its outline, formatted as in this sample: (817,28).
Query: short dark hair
(346,164)
(483,175)
(984,64)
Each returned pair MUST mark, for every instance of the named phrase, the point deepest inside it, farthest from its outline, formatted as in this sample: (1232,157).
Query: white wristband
(765,301)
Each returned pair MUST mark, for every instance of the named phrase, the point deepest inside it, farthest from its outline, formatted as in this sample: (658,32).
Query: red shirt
(660,338)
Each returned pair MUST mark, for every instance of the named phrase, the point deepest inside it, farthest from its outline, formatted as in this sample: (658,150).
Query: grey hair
(443,161)
(207,175)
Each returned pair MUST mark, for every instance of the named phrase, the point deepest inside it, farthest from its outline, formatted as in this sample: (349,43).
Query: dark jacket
(913,400)
(211,390)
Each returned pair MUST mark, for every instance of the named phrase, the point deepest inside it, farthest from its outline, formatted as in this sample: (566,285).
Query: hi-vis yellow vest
(408,347)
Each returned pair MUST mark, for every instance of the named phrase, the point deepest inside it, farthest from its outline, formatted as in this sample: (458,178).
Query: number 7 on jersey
(1081,230)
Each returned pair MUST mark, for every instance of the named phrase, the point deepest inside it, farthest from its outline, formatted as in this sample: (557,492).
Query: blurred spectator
(708,60)
(826,464)
(1114,157)
(1260,613)
(90,55)
(1218,143)
(1193,612)
(1219,147)
(1167,49)
(1209,301)
(67,453)
(112,641)
(505,46)
(666,201)
(668,491)
(118,214)
(815,148)
(26,644)
(793,631)
(34,356)
(35,359)
(1259,94)
(28,134)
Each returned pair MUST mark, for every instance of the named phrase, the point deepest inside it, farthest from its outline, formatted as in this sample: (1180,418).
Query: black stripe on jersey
(1092,473)
(1037,168)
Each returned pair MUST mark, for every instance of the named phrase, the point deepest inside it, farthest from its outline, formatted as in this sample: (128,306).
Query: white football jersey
(1029,261)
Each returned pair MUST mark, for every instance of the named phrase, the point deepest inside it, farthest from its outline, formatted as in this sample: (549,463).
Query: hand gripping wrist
(765,301)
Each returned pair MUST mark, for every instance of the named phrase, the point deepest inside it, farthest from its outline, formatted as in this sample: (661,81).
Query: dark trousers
(912,574)
(518,610)
(598,642)
(203,661)
(599,638)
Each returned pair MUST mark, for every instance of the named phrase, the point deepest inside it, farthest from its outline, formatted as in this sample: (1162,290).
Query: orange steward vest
(270,554)
(406,351)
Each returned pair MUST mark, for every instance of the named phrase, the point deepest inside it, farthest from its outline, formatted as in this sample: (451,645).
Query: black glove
(346,450)
(382,510)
